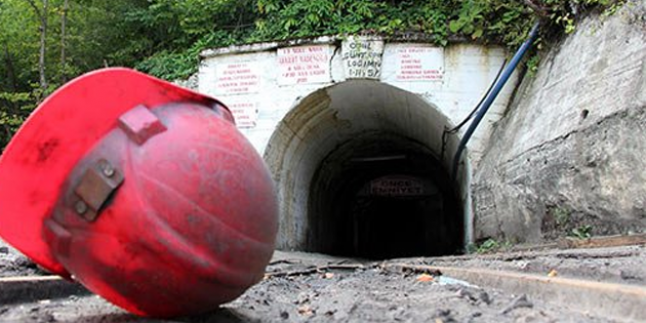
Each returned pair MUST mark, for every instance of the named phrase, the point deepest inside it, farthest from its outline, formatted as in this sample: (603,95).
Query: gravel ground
(303,287)
(371,295)
(624,265)
(13,263)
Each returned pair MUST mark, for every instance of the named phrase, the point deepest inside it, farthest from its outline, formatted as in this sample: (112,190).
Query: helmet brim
(36,163)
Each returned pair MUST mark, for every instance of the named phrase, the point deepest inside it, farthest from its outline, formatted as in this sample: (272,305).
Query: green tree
(43,43)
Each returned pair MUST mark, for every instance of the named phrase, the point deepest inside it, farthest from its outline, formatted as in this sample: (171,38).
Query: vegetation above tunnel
(44,43)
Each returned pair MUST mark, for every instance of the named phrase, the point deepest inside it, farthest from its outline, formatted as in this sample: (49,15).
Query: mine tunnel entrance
(383,196)
(362,171)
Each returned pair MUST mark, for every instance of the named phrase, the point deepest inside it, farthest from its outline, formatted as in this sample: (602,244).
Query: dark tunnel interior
(381,195)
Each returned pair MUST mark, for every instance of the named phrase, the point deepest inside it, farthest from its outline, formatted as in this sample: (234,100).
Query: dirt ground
(13,263)
(623,265)
(302,287)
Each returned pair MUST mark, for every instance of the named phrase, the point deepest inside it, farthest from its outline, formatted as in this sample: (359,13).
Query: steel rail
(607,300)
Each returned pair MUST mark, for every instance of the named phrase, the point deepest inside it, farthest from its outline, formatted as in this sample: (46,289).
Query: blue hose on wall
(486,104)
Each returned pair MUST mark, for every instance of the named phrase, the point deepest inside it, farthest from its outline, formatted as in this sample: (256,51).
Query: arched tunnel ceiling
(333,115)
(330,117)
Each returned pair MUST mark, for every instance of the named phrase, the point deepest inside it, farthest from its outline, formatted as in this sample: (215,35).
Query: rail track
(606,300)
(602,300)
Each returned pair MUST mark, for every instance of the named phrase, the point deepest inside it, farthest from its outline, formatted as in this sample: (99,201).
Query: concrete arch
(336,141)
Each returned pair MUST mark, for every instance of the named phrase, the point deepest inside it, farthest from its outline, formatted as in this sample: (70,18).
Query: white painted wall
(467,70)
(263,83)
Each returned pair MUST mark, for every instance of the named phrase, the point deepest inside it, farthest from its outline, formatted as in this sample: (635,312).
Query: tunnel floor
(383,196)
(302,287)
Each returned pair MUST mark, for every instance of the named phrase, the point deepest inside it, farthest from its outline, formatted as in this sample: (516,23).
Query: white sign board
(304,65)
(362,57)
(238,78)
(245,112)
(420,63)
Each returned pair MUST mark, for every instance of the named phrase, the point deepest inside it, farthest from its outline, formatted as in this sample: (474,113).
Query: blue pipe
(486,104)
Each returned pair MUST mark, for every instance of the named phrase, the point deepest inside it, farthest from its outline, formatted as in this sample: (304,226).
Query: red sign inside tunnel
(397,186)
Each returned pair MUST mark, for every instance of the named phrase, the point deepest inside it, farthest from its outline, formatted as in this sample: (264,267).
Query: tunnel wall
(332,117)
(294,101)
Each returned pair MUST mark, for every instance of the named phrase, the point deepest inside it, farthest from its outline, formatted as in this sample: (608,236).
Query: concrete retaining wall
(571,153)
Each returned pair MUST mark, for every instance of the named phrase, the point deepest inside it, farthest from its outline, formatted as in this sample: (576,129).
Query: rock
(484,297)
(518,302)
(444,316)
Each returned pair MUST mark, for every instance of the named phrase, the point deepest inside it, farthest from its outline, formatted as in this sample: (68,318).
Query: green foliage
(532,64)
(95,33)
(562,216)
(177,31)
(564,13)
(472,18)
(468,20)
(305,18)
(17,107)
(165,37)
(582,232)
(489,246)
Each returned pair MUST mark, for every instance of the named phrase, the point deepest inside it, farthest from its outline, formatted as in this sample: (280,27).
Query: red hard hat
(145,192)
